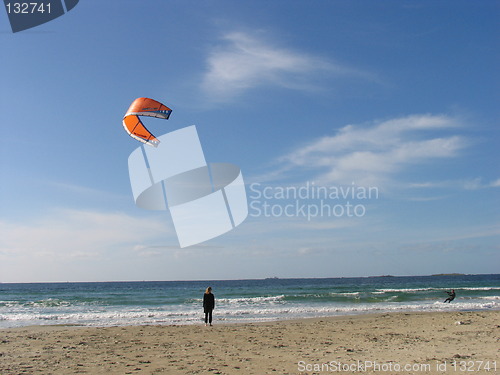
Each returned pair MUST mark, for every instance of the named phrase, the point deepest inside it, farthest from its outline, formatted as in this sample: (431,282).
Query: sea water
(180,302)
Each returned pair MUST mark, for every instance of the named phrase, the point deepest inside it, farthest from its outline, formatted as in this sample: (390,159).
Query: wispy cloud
(373,154)
(246,61)
(495,183)
(465,184)
(76,234)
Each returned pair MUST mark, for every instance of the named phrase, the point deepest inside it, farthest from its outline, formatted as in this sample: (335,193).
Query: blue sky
(401,96)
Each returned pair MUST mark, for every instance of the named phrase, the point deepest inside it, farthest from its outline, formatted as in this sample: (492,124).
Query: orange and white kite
(144,107)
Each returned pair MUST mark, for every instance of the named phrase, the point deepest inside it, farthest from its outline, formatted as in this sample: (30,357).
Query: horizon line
(251,279)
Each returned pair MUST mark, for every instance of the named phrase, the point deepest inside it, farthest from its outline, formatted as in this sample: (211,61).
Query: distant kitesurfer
(208,305)
(451,296)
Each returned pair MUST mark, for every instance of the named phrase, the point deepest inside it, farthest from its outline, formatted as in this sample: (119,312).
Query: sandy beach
(395,343)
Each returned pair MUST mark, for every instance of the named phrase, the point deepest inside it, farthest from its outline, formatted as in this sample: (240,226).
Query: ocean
(179,302)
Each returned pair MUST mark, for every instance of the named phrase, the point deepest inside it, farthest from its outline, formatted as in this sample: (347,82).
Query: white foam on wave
(408,290)
(251,300)
(492,298)
(231,313)
(411,290)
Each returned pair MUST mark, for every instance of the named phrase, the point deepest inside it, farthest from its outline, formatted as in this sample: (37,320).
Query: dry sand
(427,342)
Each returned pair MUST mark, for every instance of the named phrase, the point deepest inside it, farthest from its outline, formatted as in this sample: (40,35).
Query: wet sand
(395,343)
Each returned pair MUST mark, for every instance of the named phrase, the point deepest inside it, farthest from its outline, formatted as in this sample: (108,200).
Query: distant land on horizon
(264,278)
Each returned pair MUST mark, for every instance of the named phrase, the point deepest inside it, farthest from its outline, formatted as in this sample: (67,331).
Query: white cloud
(76,234)
(465,184)
(372,155)
(495,183)
(245,61)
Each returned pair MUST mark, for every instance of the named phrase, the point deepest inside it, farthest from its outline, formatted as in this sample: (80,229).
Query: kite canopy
(144,107)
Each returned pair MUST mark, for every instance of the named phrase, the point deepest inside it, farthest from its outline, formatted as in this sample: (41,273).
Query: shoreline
(221,323)
(295,346)
(246,321)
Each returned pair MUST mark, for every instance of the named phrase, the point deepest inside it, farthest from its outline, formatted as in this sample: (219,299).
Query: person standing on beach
(208,305)
(451,296)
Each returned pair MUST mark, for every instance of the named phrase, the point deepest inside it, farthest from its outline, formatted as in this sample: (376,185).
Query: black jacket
(208,301)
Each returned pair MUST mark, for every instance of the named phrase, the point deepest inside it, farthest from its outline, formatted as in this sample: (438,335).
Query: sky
(367,135)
